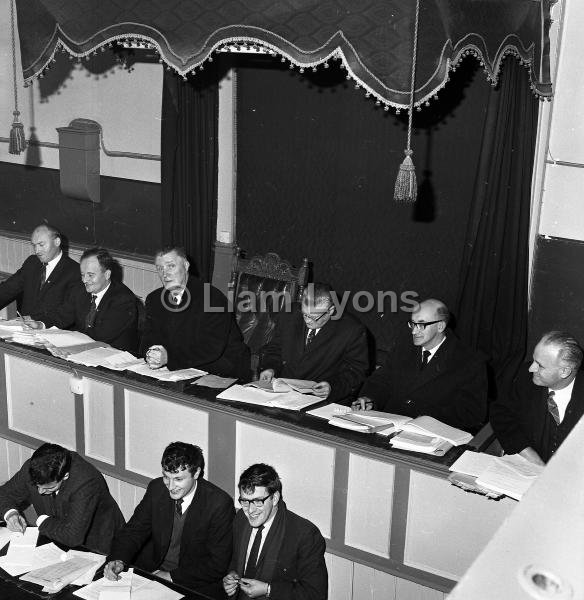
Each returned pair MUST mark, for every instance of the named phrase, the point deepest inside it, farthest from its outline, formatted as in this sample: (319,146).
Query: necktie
(178,506)
(43,275)
(250,567)
(310,336)
(90,319)
(175,297)
(553,407)
(425,357)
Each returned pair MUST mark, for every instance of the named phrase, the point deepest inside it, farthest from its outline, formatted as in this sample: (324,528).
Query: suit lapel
(53,276)
(434,368)
(166,518)
(298,337)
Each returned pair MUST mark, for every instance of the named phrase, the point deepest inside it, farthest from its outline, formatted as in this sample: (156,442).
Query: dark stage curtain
(492,307)
(189,166)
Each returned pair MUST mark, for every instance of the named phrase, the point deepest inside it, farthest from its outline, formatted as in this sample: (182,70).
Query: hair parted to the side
(260,475)
(570,351)
(180,455)
(49,463)
(178,250)
(104,258)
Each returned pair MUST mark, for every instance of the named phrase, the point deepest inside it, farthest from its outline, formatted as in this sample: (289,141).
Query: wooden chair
(259,288)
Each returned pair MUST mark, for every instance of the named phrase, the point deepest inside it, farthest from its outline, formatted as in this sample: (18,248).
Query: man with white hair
(546,402)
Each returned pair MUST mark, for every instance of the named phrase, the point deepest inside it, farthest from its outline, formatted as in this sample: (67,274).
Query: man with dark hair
(276,553)
(106,310)
(546,401)
(70,496)
(182,528)
(436,375)
(45,280)
(314,343)
(188,323)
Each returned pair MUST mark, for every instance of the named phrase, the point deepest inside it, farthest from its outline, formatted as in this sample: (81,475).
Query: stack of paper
(141,589)
(163,374)
(369,421)
(19,558)
(430,436)
(329,411)
(280,385)
(252,395)
(57,575)
(65,339)
(111,358)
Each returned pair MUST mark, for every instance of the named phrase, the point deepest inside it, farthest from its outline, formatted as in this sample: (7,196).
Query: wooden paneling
(98,402)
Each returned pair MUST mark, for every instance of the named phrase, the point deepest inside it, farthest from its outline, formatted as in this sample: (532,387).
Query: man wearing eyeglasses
(70,496)
(436,375)
(276,553)
(318,345)
(182,528)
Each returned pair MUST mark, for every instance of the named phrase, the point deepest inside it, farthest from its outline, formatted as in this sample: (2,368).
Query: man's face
(315,316)
(45,489)
(180,483)
(430,335)
(547,368)
(94,277)
(172,269)
(44,245)
(259,515)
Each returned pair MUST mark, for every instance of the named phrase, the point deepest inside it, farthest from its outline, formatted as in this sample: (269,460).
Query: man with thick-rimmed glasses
(435,375)
(316,344)
(276,553)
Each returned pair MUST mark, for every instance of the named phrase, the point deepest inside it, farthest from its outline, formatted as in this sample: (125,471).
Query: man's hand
(16,522)
(113,569)
(156,357)
(30,323)
(362,403)
(253,588)
(531,455)
(322,389)
(267,375)
(231,583)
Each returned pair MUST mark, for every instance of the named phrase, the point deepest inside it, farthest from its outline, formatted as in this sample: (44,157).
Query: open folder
(281,384)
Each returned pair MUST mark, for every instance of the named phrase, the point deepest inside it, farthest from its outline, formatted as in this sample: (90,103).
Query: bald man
(435,375)
(45,280)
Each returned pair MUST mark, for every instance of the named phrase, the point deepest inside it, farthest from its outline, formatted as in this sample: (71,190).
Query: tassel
(406,187)
(17,139)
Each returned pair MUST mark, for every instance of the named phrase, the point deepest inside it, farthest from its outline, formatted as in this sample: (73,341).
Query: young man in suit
(546,402)
(276,553)
(182,528)
(70,496)
(317,345)
(435,375)
(106,310)
(45,280)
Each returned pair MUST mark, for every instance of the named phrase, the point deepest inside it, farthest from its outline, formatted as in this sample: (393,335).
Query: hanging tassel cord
(17,139)
(406,186)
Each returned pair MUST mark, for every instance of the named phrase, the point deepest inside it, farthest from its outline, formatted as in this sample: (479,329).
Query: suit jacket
(337,354)
(292,557)
(206,542)
(41,303)
(451,388)
(83,513)
(521,418)
(116,320)
(200,332)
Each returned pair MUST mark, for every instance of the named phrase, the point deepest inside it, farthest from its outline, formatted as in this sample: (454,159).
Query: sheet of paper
(61,338)
(142,589)
(4,536)
(56,576)
(46,555)
(163,374)
(215,382)
(430,426)
(117,590)
(329,411)
(249,395)
(472,463)
(22,546)
(87,577)
(294,400)
(508,475)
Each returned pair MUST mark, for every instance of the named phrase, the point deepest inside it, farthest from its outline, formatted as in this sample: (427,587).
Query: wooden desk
(381,510)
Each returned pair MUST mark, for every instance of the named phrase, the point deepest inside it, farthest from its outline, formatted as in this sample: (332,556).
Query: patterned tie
(425,357)
(311,335)
(90,319)
(178,506)
(175,298)
(553,407)
(43,275)
(250,567)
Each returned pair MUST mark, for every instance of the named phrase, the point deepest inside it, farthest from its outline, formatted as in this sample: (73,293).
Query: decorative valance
(372,38)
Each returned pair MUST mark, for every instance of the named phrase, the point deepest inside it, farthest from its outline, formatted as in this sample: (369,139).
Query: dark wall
(317,163)
(557,288)
(127,218)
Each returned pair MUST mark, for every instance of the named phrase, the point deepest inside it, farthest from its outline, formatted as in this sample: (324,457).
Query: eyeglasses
(257,502)
(421,326)
(313,318)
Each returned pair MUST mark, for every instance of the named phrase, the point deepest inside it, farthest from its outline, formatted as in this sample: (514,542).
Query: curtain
(492,305)
(189,149)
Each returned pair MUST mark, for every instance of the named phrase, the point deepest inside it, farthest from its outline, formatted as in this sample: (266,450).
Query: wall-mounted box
(79,150)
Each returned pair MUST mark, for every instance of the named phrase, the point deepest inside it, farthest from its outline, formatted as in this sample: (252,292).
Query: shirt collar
(101,294)
(53,263)
(562,398)
(433,350)
(189,497)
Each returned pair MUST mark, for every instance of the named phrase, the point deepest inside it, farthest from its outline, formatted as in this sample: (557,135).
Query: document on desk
(110,358)
(252,395)
(215,382)
(329,411)
(19,557)
(142,589)
(472,463)
(4,536)
(163,374)
(56,576)
(511,475)
(61,338)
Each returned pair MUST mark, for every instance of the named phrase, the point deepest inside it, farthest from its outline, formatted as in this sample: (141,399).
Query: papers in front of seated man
(252,395)
(282,385)
(329,411)
(19,557)
(163,374)
(56,576)
(422,430)
(141,589)
(369,421)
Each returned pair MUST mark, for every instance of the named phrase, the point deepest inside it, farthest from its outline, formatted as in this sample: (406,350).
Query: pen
(24,323)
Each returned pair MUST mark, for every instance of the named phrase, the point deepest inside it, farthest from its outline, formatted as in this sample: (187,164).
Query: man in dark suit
(189,324)
(70,496)
(276,553)
(45,280)
(436,376)
(106,310)
(546,402)
(183,526)
(315,344)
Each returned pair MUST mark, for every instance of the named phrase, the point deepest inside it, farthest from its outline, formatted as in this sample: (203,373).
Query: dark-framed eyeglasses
(421,326)
(315,319)
(257,502)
